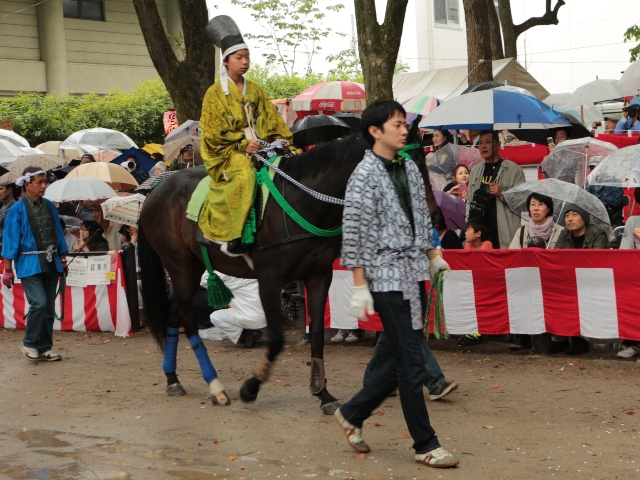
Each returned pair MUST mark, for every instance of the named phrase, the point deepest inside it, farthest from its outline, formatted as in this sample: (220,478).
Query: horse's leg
(209,373)
(170,361)
(317,291)
(270,289)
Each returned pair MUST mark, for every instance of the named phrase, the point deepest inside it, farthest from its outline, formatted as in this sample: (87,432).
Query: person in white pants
(241,322)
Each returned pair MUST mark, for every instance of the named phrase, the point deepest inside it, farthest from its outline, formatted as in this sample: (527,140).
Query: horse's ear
(413,130)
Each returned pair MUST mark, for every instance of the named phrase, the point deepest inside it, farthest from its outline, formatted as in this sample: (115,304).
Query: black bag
(480,204)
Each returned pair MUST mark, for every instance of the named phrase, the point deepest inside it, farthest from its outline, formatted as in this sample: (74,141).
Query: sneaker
(629,352)
(31,353)
(340,336)
(469,340)
(443,389)
(50,356)
(354,336)
(437,458)
(353,434)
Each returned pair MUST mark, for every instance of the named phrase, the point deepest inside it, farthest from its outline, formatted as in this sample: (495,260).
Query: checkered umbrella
(125,209)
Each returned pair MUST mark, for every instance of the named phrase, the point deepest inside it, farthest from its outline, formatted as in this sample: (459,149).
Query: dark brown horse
(283,252)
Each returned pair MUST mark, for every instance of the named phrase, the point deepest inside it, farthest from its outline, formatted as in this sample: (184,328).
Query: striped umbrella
(419,105)
(336,96)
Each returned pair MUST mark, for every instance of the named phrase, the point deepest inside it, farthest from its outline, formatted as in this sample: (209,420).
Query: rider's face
(238,63)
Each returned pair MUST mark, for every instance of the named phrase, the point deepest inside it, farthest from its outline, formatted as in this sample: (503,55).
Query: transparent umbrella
(100,138)
(568,161)
(562,194)
(621,168)
(442,162)
(14,138)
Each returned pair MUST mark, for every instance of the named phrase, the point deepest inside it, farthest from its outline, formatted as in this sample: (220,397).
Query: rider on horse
(235,114)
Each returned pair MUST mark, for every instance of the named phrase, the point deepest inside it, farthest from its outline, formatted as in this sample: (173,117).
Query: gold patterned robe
(233,177)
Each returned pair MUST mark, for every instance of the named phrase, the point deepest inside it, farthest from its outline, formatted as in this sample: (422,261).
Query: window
(84,9)
(446,12)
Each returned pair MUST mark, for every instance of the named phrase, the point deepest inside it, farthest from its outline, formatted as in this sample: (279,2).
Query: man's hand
(361,303)
(438,265)
(7,278)
(252,147)
(494,189)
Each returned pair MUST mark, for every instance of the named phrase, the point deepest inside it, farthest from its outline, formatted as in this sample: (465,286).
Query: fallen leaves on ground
(495,385)
(489,427)
(232,457)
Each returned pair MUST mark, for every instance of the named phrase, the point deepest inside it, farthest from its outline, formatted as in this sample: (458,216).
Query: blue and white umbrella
(494,110)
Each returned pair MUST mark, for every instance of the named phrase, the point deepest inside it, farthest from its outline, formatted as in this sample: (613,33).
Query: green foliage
(348,66)
(633,35)
(401,67)
(138,113)
(281,86)
(292,28)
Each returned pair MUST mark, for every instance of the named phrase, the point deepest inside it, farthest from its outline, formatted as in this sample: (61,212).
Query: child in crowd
(476,235)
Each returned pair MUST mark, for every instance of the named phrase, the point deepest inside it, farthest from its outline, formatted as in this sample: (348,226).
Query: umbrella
(14,138)
(621,168)
(100,139)
(561,193)
(578,130)
(351,119)
(152,148)
(100,155)
(338,95)
(69,189)
(172,149)
(9,150)
(568,160)
(116,176)
(444,160)
(314,129)
(44,161)
(419,105)
(454,209)
(494,110)
(557,99)
(629,83)
(145,162)
(188,128)
(594,92)
(123,209)
(60,173)
(479,87)
(51,147)
(512,88)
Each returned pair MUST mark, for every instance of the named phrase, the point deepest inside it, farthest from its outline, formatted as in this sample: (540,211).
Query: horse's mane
(325,156)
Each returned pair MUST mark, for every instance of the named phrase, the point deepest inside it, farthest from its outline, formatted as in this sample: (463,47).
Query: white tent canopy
(445,83)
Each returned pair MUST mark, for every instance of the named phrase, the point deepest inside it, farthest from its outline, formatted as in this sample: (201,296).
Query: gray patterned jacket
(376,232)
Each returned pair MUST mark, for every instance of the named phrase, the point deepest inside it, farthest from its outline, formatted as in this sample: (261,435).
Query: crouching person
(388,243)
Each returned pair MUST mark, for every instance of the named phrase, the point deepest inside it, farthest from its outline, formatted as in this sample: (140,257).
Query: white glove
(439,265)
(361,303)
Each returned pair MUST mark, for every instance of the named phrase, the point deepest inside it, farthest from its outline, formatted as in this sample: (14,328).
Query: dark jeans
(384,352)
(405,371)
(40,291)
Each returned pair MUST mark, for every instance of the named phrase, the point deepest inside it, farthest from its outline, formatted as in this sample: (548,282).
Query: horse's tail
(155,296)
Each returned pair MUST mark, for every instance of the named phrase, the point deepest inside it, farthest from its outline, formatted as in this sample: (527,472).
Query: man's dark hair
(14,190)
(567,130)
(548,201)
(89,156)
(479,225)
(30,169)
(437,219)
(494,134)
(377,114)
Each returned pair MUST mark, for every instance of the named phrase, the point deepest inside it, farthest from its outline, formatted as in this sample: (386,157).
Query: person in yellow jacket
(235,113)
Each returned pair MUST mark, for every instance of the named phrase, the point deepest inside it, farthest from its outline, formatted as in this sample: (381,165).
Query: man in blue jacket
(33,240)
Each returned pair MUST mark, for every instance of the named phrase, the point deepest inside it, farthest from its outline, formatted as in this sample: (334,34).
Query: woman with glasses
(91,239)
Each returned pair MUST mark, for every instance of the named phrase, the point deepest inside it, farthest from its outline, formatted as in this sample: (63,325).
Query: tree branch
(194,17)
(160,51)
(549,18)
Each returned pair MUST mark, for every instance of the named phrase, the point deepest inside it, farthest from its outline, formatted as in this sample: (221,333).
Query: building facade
(75,46)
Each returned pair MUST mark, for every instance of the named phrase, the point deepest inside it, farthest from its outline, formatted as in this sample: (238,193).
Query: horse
(283,252)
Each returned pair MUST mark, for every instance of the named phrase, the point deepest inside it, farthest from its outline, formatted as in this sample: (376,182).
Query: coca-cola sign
(354,92)
(326,104)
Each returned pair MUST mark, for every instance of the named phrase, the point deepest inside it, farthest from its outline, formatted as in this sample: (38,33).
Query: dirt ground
(102,413)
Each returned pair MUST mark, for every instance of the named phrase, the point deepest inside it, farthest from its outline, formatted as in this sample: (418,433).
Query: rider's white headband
(26,178)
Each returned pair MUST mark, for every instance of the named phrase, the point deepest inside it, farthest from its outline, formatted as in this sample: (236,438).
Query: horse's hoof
(330,408)
(175,390)
(246,395)
(221,398)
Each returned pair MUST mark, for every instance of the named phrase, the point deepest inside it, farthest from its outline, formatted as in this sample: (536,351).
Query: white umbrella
(557,99)
(621,168)
(124,209)
(14,138)
(78,188)
(629,83)
(8,151)
(594,92)
(100,138)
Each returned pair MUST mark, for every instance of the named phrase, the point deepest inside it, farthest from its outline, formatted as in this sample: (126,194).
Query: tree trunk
(497,52)
(187,81)
(511,32)
(378,45)
(478,42)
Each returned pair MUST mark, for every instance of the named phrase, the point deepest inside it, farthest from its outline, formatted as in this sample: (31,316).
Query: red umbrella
(335,96)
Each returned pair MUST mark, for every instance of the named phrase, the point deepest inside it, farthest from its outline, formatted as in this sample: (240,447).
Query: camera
(633,110)
(130,165)
(597,124)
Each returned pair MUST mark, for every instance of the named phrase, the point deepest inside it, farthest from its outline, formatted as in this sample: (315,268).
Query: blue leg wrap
(169,363)
(208,371)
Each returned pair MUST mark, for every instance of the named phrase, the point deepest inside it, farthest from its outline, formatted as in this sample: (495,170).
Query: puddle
(42,439)
(262,461)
